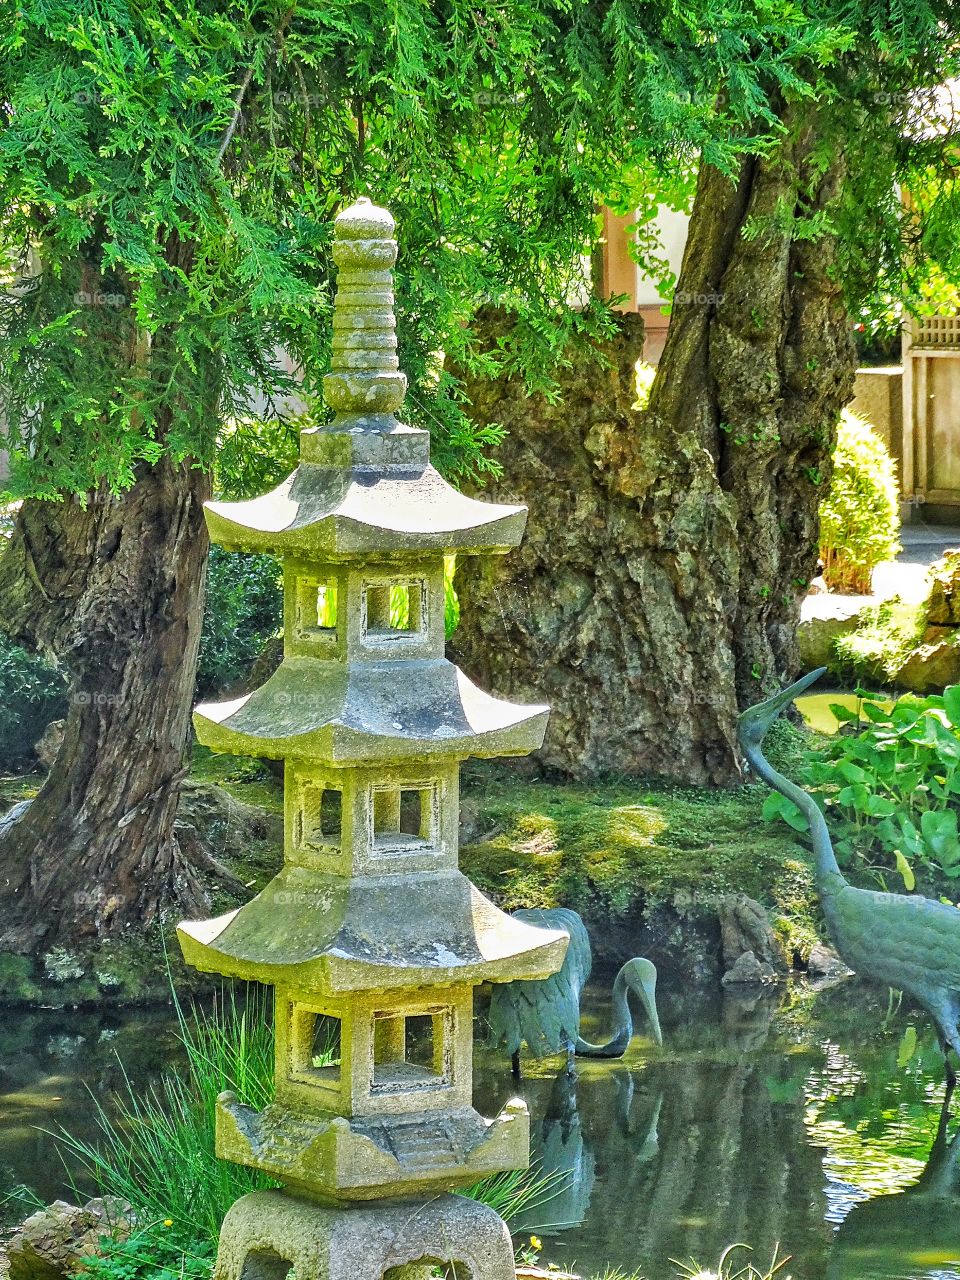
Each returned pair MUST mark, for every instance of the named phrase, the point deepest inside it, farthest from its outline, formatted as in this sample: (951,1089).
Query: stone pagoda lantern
(371,936)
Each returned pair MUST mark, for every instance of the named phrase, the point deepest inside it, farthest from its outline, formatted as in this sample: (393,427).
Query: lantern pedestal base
(268,1233)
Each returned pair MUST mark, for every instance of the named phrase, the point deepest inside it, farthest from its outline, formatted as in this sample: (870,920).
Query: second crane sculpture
(905,941)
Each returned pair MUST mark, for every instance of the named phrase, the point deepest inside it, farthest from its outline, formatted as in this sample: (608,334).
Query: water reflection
(808,1120)
(912,1232)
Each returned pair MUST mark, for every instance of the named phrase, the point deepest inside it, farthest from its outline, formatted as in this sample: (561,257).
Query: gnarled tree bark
(659,585)
(114,594)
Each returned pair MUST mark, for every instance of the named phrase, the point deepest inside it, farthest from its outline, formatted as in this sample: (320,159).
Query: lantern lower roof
(330,512)
(351,713)
(332,934)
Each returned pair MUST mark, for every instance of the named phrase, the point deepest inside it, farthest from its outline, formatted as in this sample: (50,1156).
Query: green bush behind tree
(860,514)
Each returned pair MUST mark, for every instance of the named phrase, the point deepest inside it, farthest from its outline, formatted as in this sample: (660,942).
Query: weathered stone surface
(933,664)
(370,932)
(47,747)
(50,1244)
(943,609)
(748,969)
(823,619)
(745,927)
(823,962)
(264,1233)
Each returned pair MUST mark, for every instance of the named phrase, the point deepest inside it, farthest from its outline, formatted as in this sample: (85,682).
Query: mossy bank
(646,866)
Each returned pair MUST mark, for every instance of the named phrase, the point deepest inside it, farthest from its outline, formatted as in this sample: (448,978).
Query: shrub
(244,608)
(645,376)
(890,787)
(33,694)
(859,516)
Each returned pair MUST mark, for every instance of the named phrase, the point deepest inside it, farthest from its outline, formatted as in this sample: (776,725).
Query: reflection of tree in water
(915,1232)
(732,1163)
(685,1153)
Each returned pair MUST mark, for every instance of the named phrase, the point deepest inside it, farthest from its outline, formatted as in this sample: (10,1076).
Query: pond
(808,1120)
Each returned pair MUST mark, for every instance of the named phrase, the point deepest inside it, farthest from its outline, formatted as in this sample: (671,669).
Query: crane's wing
(906,941)
(544,1014)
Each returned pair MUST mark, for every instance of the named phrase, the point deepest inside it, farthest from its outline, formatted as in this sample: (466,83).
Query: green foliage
(168,177)
(645,376)
(890,788)
(33,695)
(157,1151)
(859,515)
(154,1252)
(885,635)
(243,609)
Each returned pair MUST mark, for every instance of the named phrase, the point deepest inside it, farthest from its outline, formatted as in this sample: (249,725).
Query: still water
(808,1120)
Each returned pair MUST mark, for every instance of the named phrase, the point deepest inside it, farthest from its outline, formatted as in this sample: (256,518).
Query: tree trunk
(115,594)
(658,589)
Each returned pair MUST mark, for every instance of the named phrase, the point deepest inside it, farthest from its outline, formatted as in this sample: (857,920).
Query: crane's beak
(641,976)
(762,715)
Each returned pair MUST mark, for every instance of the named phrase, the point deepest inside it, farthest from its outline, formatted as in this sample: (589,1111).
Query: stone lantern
(371,936)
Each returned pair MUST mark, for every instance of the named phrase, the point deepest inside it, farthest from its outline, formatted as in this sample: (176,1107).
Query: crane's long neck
(616,1047)
(829,876)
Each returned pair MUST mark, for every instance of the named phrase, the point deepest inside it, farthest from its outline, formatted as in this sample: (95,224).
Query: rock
(748,969)
(935,662)
(745,928)
(50,1244)
(825,617)
(47,747)
(823,962)
(13,815)
(943,608)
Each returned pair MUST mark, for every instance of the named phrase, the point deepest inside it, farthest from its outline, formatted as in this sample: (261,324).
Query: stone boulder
(823,619)
(943,608)
(745,930)
(53,1241)
(934,663)
(824,965)
(748,970)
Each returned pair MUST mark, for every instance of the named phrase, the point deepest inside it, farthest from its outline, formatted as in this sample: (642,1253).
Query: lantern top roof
(365,484)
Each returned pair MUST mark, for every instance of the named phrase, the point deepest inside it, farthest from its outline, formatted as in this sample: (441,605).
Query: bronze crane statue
(905,941)
(546,1014)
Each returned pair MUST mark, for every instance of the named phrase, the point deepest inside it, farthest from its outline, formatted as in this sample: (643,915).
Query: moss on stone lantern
(371,936)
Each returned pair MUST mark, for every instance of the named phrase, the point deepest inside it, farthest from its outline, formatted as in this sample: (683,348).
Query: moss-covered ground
(617,849)
(614,850)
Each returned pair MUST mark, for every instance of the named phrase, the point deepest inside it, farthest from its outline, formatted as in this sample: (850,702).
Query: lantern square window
(316,609)
(315,1052)
(393,610)
(319,816)
(412,1051)
(404,818)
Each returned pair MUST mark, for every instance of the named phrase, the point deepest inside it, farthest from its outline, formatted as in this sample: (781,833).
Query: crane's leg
(945,1011)
(571,1059)
(515,1065)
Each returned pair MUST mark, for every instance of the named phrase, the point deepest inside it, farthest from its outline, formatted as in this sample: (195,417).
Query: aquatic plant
(729,1268)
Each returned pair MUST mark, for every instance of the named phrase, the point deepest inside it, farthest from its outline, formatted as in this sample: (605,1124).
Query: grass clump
(156,1151)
